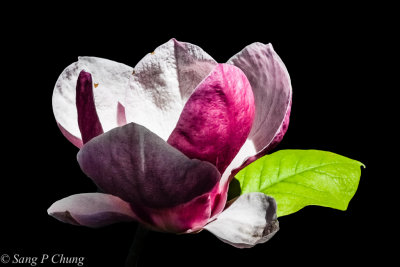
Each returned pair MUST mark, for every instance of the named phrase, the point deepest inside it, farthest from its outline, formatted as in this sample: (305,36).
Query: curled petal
(280,133)
(73,139)
(272,90)
(249,220)
(110,80)
(162,82)
(217,118)
(92,210)
(139,167)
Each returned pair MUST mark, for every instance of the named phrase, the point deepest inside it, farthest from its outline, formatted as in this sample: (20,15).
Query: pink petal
(271,87)
(73,139)
(92,210)
(219,199)
(217,118)
(88,121)
(192,65)
(272,90)
(162,82)
(111,79)
(281,132)
(139,167)
(121,116)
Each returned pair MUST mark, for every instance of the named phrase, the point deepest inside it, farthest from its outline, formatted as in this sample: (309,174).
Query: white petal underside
(162,82)
(249,220)
(91,209)
(272,91)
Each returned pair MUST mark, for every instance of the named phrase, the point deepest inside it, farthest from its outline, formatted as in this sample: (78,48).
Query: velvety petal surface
(110,80)
(272,90)
(91,209)
(217,118)
(88,120)
(162,82)
(251,219)
(136,165)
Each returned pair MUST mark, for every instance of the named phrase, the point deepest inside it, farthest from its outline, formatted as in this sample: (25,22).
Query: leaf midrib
(278,180)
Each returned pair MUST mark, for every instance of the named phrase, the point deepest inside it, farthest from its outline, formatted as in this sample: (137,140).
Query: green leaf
(297,178)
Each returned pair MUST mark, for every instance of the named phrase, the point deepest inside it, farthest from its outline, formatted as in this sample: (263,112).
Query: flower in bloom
(163,140)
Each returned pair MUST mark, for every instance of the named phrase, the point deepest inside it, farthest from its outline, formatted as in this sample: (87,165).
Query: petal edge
(217,118)
(91,209)
(162,82)
(272,90)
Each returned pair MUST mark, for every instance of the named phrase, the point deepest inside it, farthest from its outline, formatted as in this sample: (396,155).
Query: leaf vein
(303,171)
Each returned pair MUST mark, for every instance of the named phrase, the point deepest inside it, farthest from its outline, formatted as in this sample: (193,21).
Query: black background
(333,63)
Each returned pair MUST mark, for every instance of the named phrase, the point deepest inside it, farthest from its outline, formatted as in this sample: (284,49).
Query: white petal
(162,82)
(111,79)
(272,91)
(249,220)
(91,209)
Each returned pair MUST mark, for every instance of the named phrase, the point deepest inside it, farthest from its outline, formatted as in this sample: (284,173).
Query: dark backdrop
(334,109)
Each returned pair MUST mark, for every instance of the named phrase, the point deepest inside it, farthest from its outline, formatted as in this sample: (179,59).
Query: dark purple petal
(89,123)
(121,117)
(272,93)
(138,166)
(217,118)
(92,210)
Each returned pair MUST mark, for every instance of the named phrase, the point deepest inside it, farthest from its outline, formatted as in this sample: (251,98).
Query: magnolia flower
(163,140)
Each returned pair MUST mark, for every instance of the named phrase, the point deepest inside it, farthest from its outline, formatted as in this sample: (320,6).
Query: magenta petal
(217,118)
(138,166)
(91,209)
(272,93)
(184,218)
(89,123)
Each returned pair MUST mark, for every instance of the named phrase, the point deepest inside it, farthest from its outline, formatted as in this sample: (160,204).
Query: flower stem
(136,247)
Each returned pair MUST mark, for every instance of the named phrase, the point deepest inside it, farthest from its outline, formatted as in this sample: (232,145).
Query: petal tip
(177,43)
(63,216)
(84,74)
